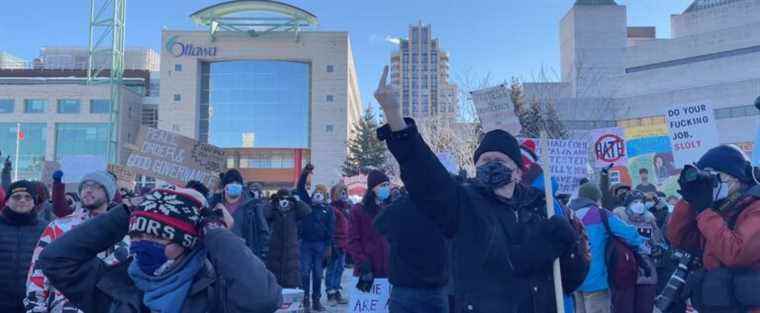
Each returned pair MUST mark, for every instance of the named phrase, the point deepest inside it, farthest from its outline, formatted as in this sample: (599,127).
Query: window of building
(230,162)
(100,106)
(329,128)
(330,98)
(330,68)
(177,97)
(68,106)
(91,139)
(7,105)
(35,105)
(178,67)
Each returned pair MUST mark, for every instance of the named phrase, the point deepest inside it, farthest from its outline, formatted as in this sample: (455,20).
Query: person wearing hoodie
(249,214)
(284,217)
(183,259)
(635,213)
(340,206)
(96,192)
(593,296)
(20,227)
(316,234)
(369,250)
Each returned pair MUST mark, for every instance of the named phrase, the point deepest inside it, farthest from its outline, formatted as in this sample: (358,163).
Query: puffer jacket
(283,258)
(233,278)
(18,237)
(250,223)
(341,211)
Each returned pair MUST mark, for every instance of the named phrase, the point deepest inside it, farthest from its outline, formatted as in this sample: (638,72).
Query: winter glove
(543,243)
(308,169)
(561,234)
(366,279)
(215,218)
(699,194)
(57,176)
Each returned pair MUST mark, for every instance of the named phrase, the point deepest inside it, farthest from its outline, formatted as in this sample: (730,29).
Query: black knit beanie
(375,178)
(729,160)
(500,141)
(24,186)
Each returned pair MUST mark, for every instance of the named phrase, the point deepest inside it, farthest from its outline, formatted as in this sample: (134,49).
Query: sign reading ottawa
(181,49)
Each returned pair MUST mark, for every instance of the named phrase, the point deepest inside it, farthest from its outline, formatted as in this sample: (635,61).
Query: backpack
(622,261)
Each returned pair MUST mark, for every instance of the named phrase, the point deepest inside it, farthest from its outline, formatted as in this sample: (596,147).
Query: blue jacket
(589,213)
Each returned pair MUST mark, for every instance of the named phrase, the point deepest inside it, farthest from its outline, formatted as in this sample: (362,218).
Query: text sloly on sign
(608,147)
(174,158)
(692,131)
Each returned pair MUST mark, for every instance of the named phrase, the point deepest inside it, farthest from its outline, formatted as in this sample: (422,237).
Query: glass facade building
(255,104)
(81,139)
(31,147)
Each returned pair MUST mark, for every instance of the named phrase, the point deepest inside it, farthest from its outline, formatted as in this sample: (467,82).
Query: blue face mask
(383,193)
(149,255)
(233,190)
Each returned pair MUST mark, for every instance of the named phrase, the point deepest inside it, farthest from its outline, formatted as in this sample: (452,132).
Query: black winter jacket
(499,246)
(233,279)
(18,237)
(250,223)
(419,254)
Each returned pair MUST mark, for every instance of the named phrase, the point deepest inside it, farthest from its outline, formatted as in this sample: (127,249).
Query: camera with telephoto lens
(677,281)
(692,174)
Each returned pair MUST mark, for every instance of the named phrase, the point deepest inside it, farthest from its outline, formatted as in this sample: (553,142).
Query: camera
(692,174)
(677,280)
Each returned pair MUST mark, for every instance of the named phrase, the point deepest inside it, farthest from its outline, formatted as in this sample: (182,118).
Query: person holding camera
(719,220)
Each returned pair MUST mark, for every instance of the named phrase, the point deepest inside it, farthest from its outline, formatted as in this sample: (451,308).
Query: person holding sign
(503,244)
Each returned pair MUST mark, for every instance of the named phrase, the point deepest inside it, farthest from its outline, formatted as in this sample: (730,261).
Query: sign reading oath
(174,158)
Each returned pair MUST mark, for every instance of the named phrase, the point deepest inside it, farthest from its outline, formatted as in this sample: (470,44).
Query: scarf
(166,293)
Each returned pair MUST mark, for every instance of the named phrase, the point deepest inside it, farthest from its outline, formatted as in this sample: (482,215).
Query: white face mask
(648,205)
(637,207)
(721,191)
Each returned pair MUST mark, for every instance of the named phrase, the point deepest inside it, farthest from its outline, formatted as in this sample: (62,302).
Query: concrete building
(59,115)
(9,61)
(78,58)
(613,74)
(276,98)
(420,71)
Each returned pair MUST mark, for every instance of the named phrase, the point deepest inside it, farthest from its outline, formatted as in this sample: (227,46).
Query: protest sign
(374,301)
(356,185)
(608,147)
(449,162)
(495,109)
(692,131)
(648,147)
(174,158)
(125,177)
(292,301)
(48,168)
(569,161)
(75,167)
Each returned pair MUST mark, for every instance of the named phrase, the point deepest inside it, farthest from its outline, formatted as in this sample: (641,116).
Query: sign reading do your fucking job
(174,158)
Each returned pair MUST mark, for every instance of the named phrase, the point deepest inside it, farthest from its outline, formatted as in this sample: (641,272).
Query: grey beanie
(103,179)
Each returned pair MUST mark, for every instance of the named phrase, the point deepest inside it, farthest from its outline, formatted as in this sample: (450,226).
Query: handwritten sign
(374,301)
(125,177)
(692,131)
(609,147)
(174,158)
(496,110)
(569,162)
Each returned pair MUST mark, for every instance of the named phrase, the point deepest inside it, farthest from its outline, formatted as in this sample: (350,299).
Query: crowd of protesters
(446,242)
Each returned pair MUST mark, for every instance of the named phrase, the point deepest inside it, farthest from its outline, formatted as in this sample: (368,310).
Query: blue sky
(502,37)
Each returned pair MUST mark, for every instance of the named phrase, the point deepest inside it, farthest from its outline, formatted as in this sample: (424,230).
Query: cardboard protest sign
(608,147)
(125,177)
(75,167)
(356,185)
(48,168)
(496,110)
(174,158)
(692,131)
(569,161)
(374,301)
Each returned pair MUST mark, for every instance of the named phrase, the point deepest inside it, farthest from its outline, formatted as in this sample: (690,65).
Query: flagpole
(18,150)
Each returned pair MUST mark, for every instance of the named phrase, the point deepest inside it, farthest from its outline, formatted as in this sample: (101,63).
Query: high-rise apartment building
(420,70)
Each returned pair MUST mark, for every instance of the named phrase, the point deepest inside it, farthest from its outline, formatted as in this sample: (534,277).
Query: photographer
(719,220)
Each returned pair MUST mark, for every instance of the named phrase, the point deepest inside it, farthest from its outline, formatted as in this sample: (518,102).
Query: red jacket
(366,244)
(340,237)
(722,246)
